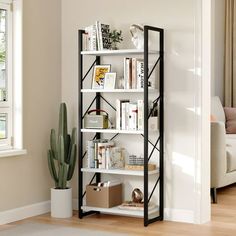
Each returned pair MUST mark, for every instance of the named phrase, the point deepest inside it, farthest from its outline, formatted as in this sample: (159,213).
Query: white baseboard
(24,212)
(179,215)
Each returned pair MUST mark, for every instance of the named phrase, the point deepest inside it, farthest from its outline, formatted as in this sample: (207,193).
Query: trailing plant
(62,155)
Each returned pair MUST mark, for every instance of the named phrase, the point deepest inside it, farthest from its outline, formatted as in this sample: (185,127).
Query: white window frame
(16,140)
(6,107)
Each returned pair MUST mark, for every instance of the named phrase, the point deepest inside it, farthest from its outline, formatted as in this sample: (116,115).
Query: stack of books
(133,73)
(103,154)
(129,205)
(129,115)
(96,37)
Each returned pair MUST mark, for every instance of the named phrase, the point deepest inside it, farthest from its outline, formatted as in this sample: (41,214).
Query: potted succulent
(61,163)
(115,38)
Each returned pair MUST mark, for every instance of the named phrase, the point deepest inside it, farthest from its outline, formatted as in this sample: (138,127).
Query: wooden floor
(223,221)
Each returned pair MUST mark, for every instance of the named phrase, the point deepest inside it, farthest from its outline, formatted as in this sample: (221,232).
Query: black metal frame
(160,139)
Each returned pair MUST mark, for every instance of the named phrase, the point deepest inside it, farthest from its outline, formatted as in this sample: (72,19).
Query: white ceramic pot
(61,203)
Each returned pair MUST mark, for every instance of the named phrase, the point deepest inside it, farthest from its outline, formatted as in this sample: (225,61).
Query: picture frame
(110,80)
(99,72)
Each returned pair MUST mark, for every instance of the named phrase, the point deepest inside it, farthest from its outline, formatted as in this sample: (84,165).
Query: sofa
(223,150)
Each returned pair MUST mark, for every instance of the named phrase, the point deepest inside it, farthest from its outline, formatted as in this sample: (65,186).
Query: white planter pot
(61,203)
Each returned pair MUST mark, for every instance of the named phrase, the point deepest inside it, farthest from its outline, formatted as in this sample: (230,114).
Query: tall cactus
(62,155)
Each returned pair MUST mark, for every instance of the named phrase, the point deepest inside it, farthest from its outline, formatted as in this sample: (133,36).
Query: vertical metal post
(145,126)
(161,191)
(80,114)
(98,106)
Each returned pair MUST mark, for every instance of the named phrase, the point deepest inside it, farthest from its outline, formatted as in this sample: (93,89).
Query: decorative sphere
(137,195)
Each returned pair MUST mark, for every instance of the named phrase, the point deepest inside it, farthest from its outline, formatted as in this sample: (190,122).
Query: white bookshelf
(117,52)
(155,213)
(119,172)
(117,90)
(112,131)
(118,211)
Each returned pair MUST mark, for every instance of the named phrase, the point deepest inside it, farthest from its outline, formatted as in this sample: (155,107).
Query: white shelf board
(117,52)
(112,131)
(117,211)
(116,90)
(118,171)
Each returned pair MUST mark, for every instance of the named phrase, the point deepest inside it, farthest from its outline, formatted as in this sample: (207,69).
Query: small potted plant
(115,38)
(61,163)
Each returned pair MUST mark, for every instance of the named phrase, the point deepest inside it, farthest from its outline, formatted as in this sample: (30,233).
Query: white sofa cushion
(217,109)
(231,136)
(231,152)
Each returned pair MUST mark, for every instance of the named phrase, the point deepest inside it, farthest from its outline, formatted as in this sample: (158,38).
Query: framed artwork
(99,75)
(110,80)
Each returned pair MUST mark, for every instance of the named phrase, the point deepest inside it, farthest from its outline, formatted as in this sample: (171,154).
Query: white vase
(61,203)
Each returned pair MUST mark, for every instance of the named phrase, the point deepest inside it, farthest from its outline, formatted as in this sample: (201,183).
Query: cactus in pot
(62,152)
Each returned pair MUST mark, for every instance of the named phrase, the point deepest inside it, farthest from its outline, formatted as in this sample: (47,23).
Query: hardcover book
(119,113)
(140,74)
(133,116)
(92,37)
(103,39)
(127,73)
(103,155)
(134,73)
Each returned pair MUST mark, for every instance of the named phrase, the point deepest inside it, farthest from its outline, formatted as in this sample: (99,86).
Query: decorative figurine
(137,33)
(137,195)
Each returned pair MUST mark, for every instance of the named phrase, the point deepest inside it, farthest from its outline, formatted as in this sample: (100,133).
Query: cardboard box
(105,197)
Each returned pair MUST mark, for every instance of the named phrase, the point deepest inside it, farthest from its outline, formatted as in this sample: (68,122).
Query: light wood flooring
(223,221)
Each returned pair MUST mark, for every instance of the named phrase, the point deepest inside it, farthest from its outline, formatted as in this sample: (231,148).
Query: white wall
(218,51)
(25,180)
(181,86)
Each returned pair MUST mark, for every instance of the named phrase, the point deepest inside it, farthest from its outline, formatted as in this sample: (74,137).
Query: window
(6,105)
(11,78)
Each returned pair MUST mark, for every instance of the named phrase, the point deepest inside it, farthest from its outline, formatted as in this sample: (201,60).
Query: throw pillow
(230,115)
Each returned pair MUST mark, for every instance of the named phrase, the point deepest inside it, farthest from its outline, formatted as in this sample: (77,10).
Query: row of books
(103,154)
(133,73)
(96,37)
(130,205)
(129,115)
